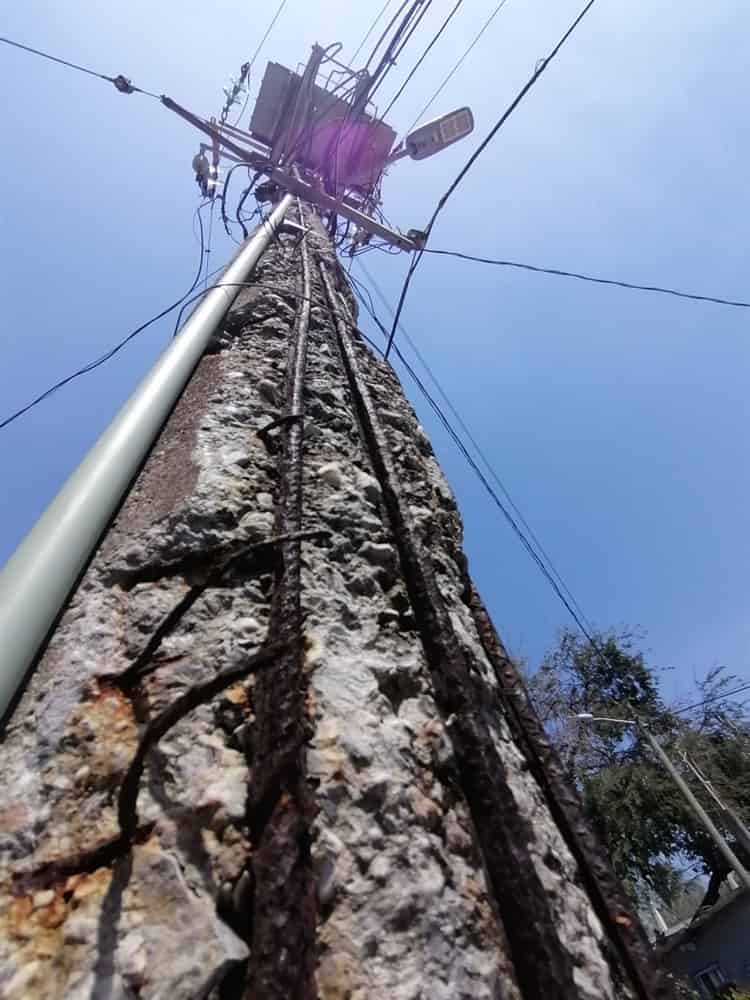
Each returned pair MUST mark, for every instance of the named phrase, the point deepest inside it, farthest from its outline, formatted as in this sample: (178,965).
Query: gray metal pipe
(39,576)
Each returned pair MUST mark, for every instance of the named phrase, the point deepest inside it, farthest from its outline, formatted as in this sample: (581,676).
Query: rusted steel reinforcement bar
(603,888)
(544,968)
(280,804)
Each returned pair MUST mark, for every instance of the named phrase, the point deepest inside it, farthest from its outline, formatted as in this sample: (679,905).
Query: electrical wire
(121,82)
(384,35)
(243,198)
(210,236)
(119,346)
(549,571)
(540,68)
(268,285)
(598,281)
(714,698)
(520,534)
(479,452)
(255,55)
(458,64)
(408,26)
(422,58)
(183,301)
(370,30)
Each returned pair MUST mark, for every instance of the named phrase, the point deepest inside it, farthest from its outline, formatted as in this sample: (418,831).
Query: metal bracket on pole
(309,192)
(39,577)
(318,197)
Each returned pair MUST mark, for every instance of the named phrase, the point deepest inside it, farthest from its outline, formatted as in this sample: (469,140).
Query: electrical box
(352,153)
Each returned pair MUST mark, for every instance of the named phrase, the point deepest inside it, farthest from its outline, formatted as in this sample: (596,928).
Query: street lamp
(588,717)
(435,136)
(729,856)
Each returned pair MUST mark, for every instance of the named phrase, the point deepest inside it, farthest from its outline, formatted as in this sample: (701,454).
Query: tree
(640,814)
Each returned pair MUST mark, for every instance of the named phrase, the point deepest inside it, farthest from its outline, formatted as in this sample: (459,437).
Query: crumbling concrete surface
(408,906)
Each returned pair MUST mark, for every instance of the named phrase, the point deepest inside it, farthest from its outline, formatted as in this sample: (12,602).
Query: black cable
(422,58)
(598,281)
(210,235)
(480,453)
(275,238)
(118,347)
(370,30)
(397,43)
(180,302)
(121,82)
(224,189)
(387,61)
(382,38)
(434,405)
(486,462)
(255,55)
(243,198)
(579,618)
(458,63)
(279,289)
(409,27)
(718,697)
(541,67)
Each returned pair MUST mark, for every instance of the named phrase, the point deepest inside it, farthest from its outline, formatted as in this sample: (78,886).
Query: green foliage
(637,809)
(731,992)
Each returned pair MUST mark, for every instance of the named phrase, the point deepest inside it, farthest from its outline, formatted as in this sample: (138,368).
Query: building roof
(686,930)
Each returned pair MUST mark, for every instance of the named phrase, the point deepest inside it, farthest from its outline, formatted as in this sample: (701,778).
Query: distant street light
(730,857)
(588,717)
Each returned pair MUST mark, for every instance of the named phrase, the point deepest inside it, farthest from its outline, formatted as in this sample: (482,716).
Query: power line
(183,301)
(255,55)
(717,697)
(571,606)
(598,281)
(541,67)
(119,346)
(383,36)
(121,82)
(422,58)
(459,63)
(479,451)
(434,405)
(395,47)
(370,30)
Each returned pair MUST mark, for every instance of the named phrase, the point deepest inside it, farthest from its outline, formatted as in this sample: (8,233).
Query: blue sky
(617,420)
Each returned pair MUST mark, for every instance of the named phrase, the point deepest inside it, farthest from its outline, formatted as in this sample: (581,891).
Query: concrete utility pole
(274,747)
(271,746)
(695,807)
(710,827)
(731,819)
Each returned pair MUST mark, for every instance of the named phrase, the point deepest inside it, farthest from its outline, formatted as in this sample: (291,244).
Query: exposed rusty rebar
(280,804)
(544,967)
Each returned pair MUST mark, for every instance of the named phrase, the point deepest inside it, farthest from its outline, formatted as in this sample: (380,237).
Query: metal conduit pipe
(38,578)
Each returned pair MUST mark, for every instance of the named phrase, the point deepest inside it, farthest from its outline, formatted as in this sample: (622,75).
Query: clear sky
(617,420)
